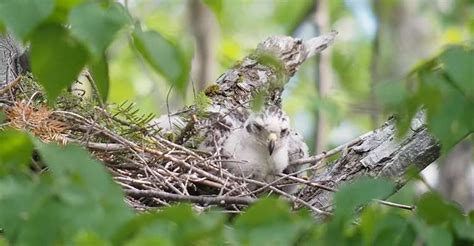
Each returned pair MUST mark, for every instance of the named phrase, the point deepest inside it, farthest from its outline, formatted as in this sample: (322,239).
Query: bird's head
(270,127)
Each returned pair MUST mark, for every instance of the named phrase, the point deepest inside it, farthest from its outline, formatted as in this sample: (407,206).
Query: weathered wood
(380,154)
(11,59)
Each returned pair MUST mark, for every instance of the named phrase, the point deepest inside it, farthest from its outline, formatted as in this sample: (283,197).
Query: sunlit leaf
(22,16)
(56,59)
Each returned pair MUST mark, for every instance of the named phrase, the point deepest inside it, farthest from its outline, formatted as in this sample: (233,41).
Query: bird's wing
(297,149)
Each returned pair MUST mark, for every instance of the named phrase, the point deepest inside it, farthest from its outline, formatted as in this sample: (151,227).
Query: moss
(212,90)
(202,102)
(240,79)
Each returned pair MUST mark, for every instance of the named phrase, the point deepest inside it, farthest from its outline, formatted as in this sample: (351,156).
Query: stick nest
(152,170)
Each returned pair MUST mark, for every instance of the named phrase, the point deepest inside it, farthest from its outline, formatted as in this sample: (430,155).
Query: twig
(10,85)
(95,88)
(396,205)
(220,200)
(316,158)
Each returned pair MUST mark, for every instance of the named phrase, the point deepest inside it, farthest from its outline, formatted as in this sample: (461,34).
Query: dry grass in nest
(38,121)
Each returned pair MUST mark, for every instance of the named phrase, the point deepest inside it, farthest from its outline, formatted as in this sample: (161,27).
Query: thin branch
(396,205)
(316,158)
(219,200)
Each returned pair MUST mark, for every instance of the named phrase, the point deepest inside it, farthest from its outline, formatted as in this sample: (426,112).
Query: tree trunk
(456,181)
(323,76)
(380,154)
(204,28)
(10,51)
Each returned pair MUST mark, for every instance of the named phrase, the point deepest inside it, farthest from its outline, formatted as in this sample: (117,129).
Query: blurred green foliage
(77,202)
(443,86)
(59,54)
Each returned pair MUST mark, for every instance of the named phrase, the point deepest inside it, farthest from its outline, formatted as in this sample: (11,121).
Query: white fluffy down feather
(264,146)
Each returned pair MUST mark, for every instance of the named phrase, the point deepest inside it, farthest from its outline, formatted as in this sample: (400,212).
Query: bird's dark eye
(284,132)
(258,127)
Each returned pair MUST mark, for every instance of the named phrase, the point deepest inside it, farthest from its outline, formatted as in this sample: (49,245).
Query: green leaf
(448,110)
(79,194)
(17,198)
(2,117)
(434,210)
(56,59)
(438,236)
(268,222)
(382,228)
(96,26)
(459,64)
(15,151)
(391,94)
(178,224)
(164,56)
(464,230)
(90,238)
(22,16)
(2,27)
(3,241)
(471,217)
(360,192)
(149,240)
(100,73)
(148,221)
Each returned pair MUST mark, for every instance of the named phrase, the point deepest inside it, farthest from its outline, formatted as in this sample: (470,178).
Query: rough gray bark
(256,74)
(13,61)
(379,154)
(9,51)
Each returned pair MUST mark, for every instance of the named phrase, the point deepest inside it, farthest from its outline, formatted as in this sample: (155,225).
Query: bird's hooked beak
(272,137)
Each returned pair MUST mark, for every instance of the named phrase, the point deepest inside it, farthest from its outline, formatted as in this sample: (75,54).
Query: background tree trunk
(323,76)
(204,27)
(456,181)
